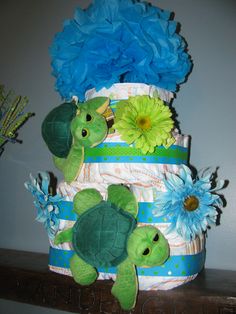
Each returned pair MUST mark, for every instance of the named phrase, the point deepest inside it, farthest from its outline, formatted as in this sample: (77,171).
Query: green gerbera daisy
(144,121)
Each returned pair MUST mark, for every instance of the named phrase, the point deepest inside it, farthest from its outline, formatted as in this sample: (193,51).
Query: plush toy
(68,129)
(105,235)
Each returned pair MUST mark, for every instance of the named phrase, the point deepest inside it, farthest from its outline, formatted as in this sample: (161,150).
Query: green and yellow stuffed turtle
(106,234)
(68,129)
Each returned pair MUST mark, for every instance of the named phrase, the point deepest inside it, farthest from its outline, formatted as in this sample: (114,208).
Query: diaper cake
(129,207)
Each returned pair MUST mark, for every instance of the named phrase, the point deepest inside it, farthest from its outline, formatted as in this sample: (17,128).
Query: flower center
(144,123)
(50,208)
(191,203)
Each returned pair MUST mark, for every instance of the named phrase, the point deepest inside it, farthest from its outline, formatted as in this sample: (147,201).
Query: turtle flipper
(73,163)
(122,197)
(64,236)
(59,163)
(125,288)
(86,199)
(83,273)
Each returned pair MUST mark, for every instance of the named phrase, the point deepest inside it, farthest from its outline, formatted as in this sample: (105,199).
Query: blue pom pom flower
(115,41)
(191,205)
(46,204)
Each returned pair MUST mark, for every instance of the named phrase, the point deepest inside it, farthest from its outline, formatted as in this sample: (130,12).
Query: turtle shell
(56,129)
(100,235)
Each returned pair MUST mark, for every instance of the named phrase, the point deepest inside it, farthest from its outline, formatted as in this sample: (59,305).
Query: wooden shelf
(25,278)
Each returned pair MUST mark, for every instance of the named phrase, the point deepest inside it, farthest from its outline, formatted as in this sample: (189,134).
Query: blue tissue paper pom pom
(115,41)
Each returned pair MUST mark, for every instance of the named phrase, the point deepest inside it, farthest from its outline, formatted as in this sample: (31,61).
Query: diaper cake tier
(115,162)
(129,207)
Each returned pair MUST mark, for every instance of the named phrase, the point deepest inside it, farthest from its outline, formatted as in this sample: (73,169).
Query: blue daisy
(46,204)
(190,205)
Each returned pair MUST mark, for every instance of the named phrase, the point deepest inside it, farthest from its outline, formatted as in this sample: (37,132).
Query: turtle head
(89,127)
(147,247)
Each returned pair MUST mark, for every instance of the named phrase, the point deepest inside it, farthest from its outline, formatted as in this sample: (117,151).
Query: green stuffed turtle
(68,129)
(106,234)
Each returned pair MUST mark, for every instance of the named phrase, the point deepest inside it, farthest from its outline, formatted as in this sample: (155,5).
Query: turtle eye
(156,238)
(84,133)
(89,118)
(146,251)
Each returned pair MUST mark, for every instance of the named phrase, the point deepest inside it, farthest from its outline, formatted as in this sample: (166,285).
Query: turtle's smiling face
(88,128)
(147,247)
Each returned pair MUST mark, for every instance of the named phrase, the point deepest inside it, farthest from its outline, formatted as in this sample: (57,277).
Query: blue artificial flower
(46,204)
(191,205)
(116,41)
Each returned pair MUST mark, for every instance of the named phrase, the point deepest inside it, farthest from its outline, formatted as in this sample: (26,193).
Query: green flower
(144,121)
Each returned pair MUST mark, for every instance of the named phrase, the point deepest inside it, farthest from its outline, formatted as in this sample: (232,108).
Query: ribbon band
(121,152)
(175,266)
(145,214)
